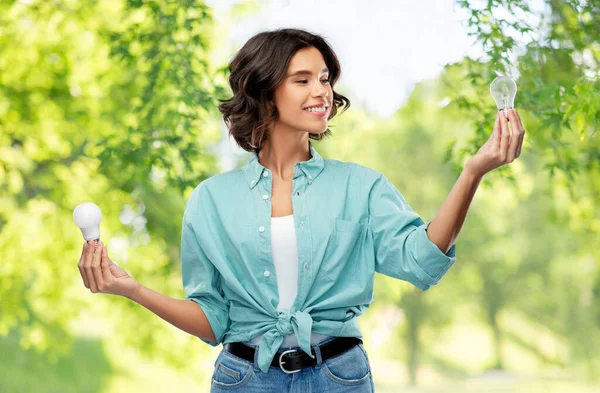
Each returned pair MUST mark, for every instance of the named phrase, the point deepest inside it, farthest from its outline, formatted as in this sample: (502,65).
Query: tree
(555,57)
(110,102)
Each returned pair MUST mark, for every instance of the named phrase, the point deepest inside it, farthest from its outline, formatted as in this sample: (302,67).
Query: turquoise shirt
(350,223)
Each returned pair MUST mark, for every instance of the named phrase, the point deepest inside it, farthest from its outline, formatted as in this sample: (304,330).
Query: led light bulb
(504,90)
(87,217)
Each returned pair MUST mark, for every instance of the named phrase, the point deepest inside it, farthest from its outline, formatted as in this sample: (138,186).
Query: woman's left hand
(502,147)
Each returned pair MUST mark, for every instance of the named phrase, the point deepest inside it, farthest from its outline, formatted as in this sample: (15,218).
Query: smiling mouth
(319,113)
(318,109)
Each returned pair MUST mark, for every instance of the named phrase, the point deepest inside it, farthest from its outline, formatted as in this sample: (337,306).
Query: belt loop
(256,368)
(317,350)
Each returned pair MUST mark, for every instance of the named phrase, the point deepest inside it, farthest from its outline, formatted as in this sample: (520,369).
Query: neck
(280,152)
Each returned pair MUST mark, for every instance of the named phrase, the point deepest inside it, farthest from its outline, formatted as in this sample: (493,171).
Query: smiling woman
(273,79)
(280,254)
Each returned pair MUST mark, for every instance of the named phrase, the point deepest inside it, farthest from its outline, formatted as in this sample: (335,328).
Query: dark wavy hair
(257,70)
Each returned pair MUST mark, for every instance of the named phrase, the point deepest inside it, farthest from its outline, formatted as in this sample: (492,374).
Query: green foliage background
(115,102)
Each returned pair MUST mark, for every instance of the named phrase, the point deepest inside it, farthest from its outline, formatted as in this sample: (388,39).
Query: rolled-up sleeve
(201,280)
(402,248)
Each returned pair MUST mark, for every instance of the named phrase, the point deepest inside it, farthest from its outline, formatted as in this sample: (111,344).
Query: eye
(304,81)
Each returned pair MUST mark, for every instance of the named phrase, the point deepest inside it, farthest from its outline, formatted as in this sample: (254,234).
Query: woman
(278,257)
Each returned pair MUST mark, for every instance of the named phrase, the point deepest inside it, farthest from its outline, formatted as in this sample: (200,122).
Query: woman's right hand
(100,274)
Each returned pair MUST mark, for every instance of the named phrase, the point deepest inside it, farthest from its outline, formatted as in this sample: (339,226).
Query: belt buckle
(282,363)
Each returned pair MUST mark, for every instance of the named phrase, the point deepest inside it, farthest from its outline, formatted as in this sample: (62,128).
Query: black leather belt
(296,360)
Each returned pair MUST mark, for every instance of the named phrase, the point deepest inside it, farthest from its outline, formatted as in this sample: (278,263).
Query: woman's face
(306,84)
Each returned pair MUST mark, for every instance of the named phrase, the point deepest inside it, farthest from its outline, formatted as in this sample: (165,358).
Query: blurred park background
(114,102)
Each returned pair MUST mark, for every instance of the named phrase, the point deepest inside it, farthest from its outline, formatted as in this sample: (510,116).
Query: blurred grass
(93,366)
(87,369)
(489,381)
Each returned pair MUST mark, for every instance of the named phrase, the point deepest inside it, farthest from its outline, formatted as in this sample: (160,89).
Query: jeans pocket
(231,372)
(349,368)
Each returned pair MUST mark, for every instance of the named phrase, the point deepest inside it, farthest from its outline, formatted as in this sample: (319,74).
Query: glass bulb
(87,217)
(504,90)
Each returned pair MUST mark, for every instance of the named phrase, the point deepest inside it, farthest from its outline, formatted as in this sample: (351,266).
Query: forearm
(183,314)
(446,225)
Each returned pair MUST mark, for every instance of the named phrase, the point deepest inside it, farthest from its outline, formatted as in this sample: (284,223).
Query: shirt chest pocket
(343,249)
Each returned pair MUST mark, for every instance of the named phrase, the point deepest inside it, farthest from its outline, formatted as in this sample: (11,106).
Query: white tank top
(284,248)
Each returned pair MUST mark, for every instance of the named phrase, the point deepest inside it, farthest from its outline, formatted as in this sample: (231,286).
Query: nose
(321,90)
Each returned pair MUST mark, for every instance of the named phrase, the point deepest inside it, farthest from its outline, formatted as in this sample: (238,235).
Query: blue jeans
(349,371)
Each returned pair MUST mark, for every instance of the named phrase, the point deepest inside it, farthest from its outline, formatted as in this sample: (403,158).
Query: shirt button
(265,197)
(306,266)
(261,229)
(302,224)
(265,173)
(267,273)
(297,193)
(253,181)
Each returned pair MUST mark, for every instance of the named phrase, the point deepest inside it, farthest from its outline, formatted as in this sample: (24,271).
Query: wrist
(135,293)
(471,173)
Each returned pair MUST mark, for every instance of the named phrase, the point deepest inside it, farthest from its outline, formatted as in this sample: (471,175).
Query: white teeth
(320,109)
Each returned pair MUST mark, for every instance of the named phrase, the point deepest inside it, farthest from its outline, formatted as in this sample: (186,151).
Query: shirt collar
(253,170)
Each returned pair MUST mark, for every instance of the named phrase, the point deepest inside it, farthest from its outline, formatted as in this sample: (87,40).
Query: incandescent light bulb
(504,89)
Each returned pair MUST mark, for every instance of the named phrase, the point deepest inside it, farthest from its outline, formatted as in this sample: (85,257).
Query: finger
(496,134)
(97,268)
(86,282)
(519,121)
(87,266)
(522,136)
(106,273)
(515,138)
(504,138)
(522,133)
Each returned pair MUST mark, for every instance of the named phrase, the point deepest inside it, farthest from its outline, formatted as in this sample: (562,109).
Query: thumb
(497,132)
(106,259)
(117,270)
(105,263)
(114,269)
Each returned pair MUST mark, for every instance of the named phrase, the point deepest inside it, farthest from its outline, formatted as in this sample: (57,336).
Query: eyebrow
(306,72)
